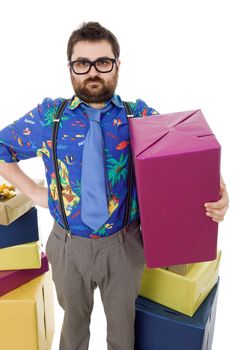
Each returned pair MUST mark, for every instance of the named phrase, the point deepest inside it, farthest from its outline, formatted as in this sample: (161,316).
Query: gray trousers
(114,264)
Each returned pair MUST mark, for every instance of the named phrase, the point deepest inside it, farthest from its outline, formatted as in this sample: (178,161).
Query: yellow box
(11,209)
(181,293)
(22,256)
(27,316)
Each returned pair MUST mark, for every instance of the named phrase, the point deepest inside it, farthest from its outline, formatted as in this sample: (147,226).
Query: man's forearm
(15,176)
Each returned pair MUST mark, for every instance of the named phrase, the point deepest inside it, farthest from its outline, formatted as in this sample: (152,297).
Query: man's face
(94,87)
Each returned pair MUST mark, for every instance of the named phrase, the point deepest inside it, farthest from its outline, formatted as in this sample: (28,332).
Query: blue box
(160,328)
(22,230)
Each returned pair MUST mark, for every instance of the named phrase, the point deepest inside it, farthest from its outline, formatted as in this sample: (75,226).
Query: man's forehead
(92,50)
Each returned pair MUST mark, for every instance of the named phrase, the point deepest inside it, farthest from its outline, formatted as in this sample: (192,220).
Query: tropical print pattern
(31,136)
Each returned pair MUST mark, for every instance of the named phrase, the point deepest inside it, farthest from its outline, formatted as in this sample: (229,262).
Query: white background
(176,55)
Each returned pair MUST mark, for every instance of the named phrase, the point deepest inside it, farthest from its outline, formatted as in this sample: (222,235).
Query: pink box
(13,279)
(177,166)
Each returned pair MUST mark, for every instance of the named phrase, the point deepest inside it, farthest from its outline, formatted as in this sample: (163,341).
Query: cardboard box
(158,327)
(11,209)
(181,293)
(22,256)
(180,269)
(177,166)
(22,230)
(13,279)
(27,316)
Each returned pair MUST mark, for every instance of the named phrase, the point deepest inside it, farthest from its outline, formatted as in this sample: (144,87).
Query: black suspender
(56,168)
(130,173)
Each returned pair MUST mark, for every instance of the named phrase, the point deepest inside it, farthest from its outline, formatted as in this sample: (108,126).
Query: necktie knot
(94,115)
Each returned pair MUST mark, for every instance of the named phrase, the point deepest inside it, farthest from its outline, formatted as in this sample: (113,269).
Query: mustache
(93,79)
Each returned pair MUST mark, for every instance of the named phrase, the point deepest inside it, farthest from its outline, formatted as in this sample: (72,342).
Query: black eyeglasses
(102,65)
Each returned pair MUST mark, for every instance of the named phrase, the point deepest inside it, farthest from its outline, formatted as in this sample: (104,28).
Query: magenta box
(177,167)
(12,279)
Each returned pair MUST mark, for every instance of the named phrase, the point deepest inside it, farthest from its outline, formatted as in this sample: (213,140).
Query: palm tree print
(77,188)
(49,116)
(116,168)
(134,210)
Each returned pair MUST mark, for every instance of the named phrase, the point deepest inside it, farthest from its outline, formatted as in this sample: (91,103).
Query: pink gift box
(177,167)
(13,279)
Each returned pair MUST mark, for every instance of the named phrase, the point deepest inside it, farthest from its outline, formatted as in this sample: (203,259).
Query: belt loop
(126,228)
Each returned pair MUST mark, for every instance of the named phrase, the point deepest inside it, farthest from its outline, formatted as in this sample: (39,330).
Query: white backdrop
(176,55)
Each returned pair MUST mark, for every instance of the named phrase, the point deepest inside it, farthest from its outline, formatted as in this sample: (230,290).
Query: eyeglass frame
(93,63)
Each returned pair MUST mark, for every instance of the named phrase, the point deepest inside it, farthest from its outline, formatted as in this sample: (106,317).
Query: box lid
(161,134)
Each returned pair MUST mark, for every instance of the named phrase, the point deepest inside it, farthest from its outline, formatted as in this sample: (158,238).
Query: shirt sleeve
(23,139)
(140,109)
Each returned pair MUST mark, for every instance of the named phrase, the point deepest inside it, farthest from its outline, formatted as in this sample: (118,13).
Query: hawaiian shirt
(31,136)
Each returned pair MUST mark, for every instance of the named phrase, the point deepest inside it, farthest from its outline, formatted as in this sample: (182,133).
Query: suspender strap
(130,173)
(56,121)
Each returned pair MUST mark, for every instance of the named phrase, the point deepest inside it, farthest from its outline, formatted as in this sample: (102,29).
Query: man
(96,246)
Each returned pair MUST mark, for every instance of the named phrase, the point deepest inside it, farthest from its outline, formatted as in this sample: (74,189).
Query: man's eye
(82,63)
(103,62)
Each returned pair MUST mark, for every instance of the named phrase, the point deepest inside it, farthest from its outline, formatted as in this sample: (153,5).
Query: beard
(95,89)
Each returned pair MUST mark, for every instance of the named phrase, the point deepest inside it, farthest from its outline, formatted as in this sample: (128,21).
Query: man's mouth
(94,81)
(94,84)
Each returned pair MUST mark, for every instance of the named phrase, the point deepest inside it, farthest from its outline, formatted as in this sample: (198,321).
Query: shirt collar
(76,101)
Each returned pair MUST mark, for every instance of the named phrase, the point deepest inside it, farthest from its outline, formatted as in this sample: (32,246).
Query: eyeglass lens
(101,65)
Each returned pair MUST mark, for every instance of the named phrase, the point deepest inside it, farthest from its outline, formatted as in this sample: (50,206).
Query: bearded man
(96,240)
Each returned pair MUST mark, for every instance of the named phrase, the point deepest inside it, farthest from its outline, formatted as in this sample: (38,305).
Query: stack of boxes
(26,304)
(177,166)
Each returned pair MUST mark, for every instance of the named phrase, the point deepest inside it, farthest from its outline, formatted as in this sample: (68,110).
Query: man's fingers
(217,210)
(223,202)
(222,186)
(217,220)
(214,211)
(216,214)
(215,205)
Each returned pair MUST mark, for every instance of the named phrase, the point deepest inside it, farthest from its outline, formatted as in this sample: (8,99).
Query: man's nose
(93,71)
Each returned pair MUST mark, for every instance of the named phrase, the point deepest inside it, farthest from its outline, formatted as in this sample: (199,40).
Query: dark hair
(93,32)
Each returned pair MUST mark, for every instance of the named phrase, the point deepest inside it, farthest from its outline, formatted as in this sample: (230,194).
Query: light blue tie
(94,201)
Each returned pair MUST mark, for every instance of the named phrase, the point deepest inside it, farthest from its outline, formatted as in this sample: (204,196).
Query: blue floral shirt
(31,136)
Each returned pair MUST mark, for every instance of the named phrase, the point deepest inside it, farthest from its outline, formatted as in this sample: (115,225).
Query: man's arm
(15,176)
(24,139)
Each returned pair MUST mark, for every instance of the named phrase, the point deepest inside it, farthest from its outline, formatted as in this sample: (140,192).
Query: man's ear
(118,63)
(70,70)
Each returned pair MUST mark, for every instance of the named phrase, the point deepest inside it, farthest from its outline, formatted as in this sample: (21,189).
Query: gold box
(181,293)
(27,316)
(11,209)
(21,256)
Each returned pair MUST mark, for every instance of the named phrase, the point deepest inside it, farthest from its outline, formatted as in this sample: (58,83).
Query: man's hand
(40,196)
(217,210)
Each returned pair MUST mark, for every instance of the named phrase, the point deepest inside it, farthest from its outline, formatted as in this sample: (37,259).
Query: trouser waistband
(117,235)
